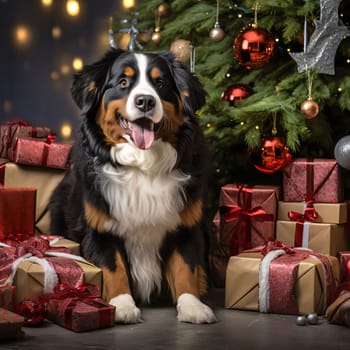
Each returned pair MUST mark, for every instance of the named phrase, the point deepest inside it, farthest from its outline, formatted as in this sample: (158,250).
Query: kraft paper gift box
(7,297)
(11,131)
(242,284)
(74,247)
(30,278)
(248,215)
(44,180)
(330,213)
(318,180)
(17,211)
(319,237)
(40,153)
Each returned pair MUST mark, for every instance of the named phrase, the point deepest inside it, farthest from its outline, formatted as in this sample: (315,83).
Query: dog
(134,194)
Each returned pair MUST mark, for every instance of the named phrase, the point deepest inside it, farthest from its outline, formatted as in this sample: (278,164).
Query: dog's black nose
(145,102)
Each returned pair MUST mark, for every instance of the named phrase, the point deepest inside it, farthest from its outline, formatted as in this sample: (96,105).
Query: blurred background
(42,44)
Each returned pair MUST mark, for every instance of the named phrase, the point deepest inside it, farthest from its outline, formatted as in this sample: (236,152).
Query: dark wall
(27,89)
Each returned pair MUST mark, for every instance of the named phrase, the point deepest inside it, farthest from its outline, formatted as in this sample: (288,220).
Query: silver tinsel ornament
(321,49)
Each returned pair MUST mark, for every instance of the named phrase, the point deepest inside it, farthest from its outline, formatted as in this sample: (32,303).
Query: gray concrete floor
(237,330)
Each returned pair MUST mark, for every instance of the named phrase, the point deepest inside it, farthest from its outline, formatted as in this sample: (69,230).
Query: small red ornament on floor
(32,311)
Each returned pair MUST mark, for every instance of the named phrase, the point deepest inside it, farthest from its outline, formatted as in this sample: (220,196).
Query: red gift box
(248,215)
(11,131)
(30,151)
(315,180)
(7,296)
(78,310)
(344,266)
(10,325)
(17,211)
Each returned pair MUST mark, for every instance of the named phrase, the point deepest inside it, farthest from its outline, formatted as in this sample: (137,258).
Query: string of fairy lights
(23,37)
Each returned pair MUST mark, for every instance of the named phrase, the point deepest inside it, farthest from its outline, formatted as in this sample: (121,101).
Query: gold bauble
(309,108)
(181,49)
(163,10)
(156,36)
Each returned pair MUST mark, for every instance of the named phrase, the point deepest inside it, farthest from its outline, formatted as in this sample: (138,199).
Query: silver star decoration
(322,47)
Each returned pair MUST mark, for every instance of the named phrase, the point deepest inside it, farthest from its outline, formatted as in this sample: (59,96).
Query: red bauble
(236,92)
(32,311)
(253,48)
(273,156)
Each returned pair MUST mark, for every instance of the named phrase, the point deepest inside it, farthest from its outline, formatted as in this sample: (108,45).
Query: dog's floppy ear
(90,83)
(191,90)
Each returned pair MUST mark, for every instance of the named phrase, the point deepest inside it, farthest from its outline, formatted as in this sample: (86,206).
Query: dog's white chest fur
(145,196)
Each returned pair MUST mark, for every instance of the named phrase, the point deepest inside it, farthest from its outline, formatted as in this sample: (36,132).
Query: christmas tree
(256,101)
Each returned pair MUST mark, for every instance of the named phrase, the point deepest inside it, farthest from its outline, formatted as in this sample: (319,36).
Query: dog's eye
(160,84)
(123,83)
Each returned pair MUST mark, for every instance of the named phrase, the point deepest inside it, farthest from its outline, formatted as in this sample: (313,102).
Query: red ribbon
(310,214)
(243,213)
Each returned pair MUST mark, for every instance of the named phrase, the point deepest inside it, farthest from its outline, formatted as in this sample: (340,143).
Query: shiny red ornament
(254,48)
(273,156)
(236,92)
(33,312)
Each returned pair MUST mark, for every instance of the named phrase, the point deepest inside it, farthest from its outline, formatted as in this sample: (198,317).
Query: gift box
(344,265)
(317,180)
(17,211)
(13,130)
(79,311)
(247,216)
(74,247)
(10,325)
(44,180)
(31,151)
(31,279)
(7,297)
(320,237)
(331,213)
(299,284)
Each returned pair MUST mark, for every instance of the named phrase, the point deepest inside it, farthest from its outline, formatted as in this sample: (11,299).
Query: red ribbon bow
(310,214)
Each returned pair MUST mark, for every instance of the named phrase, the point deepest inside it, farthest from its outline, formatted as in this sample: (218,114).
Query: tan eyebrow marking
(155,73)
(129,72)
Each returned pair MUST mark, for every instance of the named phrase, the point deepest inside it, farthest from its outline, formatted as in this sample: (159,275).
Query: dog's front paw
(125,309)
(191,309)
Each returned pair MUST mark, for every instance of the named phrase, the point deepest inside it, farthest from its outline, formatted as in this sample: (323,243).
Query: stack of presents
(286,250)
(289,256)
(41,275)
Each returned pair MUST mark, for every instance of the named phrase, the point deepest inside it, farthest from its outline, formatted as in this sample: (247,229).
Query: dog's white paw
(125,309)
(191,309)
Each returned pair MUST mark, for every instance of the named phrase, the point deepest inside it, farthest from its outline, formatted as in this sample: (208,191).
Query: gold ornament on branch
(181,49)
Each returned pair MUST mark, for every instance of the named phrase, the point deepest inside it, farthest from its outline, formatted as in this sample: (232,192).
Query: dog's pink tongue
(143,137)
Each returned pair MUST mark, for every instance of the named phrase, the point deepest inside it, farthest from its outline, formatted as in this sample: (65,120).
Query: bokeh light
(77,63)
(66,130)
(56,32)
(128,3)
(73,7)
(46,3)
(22,35)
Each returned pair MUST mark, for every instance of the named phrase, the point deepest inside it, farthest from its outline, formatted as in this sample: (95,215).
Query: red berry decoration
(254,48)
(32,311)
(236,92)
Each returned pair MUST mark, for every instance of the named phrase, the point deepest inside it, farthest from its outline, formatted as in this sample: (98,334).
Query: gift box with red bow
(317,180)
(246,219)
(78,309)
(11,131)
(278,279)
(35,267)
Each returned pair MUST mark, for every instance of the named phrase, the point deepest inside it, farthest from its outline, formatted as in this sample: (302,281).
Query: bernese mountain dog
(133,195)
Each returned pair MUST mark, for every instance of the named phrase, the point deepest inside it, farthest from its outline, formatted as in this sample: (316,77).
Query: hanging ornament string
(192,58)
(309,83)
(255,24)
(217,34)
(156,33)
(274,127)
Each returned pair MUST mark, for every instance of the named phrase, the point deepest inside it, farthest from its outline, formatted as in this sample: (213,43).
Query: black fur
(82,179)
